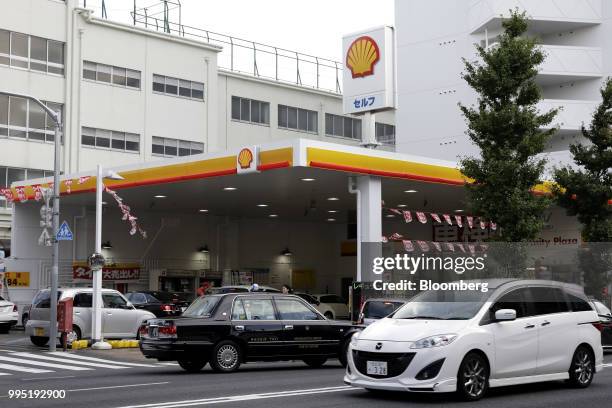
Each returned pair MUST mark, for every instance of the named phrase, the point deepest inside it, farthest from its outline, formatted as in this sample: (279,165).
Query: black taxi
(226,330)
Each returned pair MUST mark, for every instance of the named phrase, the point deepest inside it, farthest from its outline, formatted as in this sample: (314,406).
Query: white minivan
(120,319)
(519,331)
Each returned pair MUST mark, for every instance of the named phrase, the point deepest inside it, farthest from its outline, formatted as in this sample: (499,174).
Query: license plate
(153,331)
(377,367)
(39,331)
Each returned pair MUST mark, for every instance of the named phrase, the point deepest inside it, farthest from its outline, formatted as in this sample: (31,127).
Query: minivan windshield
(202,306)
(443,305)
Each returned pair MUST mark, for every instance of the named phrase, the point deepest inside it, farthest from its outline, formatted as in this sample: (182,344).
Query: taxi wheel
(192,366)
(225,357)
(315,362)
(39,341)
(329,315)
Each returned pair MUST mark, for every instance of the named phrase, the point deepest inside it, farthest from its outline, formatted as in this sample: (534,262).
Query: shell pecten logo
(245,158)
(361,56)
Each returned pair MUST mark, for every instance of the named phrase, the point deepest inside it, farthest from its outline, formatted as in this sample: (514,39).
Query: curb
(115,344)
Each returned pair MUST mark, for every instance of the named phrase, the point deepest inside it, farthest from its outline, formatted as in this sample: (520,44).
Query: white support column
(369,222)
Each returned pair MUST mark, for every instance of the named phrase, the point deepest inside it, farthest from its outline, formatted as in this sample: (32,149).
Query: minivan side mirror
(505,315)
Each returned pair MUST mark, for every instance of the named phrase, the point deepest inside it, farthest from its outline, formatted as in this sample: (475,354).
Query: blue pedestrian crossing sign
(64,233)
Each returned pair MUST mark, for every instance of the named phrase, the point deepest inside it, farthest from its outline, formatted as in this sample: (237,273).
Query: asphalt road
(122,378)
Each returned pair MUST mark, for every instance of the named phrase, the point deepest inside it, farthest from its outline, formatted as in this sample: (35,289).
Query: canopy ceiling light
(204,249)
(107,245)
(286,252)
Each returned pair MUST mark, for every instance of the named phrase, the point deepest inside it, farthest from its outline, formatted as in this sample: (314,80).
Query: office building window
(342,126)
(250,110)
(110,139)
(178,87)
(172,147)
(129,78)
(31,52)
(9,175)
(298,119)
(24,119)
(385,133)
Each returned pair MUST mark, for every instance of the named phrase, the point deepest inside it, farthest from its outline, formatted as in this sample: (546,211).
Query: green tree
(585,190)
(507,128)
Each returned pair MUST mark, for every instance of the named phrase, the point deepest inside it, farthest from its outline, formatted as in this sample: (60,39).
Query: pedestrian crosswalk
(23,362)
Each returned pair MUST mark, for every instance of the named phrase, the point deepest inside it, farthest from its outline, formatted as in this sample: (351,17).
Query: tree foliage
(584,191)
(508,129)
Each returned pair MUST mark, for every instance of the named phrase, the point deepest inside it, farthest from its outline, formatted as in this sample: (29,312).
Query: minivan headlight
(434,341)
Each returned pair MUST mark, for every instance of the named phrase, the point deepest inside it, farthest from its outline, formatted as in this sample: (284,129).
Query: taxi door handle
(239,328)
(530,326)
(288,327)
(546,323)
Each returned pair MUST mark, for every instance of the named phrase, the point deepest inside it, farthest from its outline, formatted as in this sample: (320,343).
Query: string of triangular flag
(426,246)
(127,215)
(455,219)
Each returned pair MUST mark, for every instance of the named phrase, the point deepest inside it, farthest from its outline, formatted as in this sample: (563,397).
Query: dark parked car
(375,309)
(161,304)
(226,330)
(605,316)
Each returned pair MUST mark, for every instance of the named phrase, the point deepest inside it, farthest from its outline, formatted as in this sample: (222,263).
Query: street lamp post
(97,263)
(57,119)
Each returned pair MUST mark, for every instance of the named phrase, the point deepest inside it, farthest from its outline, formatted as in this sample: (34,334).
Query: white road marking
(23,369)
(5,374)
(43,364)
(47,378)
(118,386)
(99,360)
(246,397)
(168,364)
(70,361)
(607,365)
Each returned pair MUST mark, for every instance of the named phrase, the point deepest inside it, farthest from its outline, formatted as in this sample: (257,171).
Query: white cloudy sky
(309,26)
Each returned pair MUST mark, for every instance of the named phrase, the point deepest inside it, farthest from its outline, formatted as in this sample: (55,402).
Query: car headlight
(355,338)
(434,341)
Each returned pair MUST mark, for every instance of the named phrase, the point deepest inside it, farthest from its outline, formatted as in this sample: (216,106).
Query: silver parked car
(120,319)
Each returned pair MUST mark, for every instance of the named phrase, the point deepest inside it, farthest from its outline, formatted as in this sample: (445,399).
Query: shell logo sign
(361,56)
(247,160)
(368,78)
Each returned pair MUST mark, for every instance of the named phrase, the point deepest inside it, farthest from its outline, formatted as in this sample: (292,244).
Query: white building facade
(433,36)
(132,94)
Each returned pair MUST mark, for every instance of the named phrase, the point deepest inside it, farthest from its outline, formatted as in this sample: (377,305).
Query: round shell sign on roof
(362,56)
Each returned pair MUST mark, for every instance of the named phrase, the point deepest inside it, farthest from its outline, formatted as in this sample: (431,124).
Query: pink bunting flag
(395,211)
(472,248)
(450,246)
(448,219)
(408,246)
(21,194)
(470,221)
(438,246)
(384,239)
(421,217)
(458,221)
(8,194)
(423,245)
(68,184)
(493,226)
(461,247)
(83,179)
(395,237)
(483,225)
(38,195)
(484,247)
(407,216)
(436,217)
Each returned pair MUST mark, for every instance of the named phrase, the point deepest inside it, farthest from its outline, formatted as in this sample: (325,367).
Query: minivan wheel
(39,341)
(582,370)
(329,315)
(192,366)
(473,377)
(225,357)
